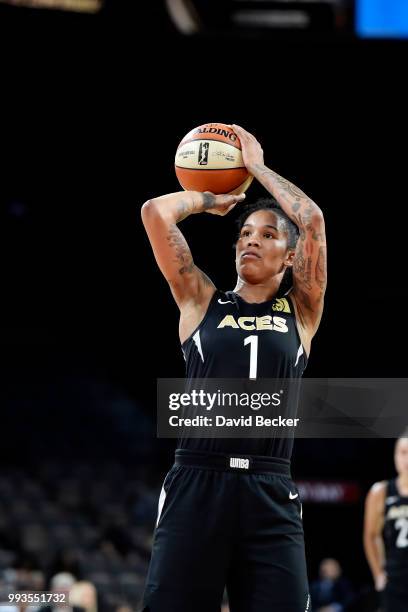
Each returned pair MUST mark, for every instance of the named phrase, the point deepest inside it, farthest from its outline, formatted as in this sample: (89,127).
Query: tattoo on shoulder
(181,250)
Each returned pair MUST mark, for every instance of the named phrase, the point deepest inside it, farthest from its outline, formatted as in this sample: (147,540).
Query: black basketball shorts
(395,596)
(231,521)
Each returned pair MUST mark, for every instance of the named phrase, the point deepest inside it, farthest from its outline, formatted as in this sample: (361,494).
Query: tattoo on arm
(309,263)
(208,200)
(181,250)
(287,193)
(302,267)
(321,268)
(185,207)
(286,185)
(299,264)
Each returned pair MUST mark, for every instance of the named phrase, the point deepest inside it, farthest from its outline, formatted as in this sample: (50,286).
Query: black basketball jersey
(237,339)
(395,534)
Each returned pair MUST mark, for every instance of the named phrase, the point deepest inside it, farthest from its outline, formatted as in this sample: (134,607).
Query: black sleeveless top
(395,534)
(237,339)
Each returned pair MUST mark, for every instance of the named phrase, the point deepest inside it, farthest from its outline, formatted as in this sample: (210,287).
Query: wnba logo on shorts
(237,462)
(203,153)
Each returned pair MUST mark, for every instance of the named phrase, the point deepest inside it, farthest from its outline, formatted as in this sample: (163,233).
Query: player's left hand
(252,152)
(223,203)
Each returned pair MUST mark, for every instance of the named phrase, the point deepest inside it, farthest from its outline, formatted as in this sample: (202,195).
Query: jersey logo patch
(239,463)
(281,305)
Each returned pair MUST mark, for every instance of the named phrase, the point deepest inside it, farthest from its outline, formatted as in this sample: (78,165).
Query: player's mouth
(250,255)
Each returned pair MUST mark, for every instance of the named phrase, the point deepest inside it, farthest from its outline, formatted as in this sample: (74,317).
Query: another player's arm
(309,263)
(373,526)
(160,217)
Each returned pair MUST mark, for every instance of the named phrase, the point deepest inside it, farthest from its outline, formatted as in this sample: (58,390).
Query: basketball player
(386,533)
(229,513)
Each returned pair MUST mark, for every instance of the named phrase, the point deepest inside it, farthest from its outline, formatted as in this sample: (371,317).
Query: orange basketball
(209,158)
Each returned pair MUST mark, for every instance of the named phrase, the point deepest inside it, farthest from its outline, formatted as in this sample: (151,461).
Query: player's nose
(253,241)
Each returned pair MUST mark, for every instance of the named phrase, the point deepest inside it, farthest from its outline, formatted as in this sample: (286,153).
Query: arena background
(92,109)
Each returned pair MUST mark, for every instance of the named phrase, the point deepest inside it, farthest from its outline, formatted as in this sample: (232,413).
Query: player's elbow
(149,211)
(317,218)
(148,208)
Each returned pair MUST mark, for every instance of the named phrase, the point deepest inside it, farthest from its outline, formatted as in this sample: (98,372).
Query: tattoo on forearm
(181,250)
(184,209)
(286,185)
(292,195)
(208,200)
(309,264)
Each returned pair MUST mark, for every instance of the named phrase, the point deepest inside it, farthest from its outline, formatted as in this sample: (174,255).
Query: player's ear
(290,256)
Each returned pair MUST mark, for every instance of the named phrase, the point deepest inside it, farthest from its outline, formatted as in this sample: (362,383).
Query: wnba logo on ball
(203,153)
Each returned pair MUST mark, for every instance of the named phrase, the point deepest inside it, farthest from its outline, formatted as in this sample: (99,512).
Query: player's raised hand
(252,152)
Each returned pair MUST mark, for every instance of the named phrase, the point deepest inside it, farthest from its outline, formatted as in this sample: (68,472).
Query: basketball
(209,158)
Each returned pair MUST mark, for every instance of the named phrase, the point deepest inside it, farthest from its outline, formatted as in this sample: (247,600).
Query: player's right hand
(222,204)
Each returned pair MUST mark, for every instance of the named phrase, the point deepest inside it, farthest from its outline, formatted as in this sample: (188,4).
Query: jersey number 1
(253,356)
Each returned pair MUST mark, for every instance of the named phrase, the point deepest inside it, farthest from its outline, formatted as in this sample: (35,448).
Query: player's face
(262,248)
(401,456)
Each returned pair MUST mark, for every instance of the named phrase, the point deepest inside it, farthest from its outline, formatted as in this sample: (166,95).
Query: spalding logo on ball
(209,158)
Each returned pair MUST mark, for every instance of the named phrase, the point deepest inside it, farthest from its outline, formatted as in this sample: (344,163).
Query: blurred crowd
(91,525)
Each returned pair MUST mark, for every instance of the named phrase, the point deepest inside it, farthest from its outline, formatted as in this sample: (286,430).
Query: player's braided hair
(291,229)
